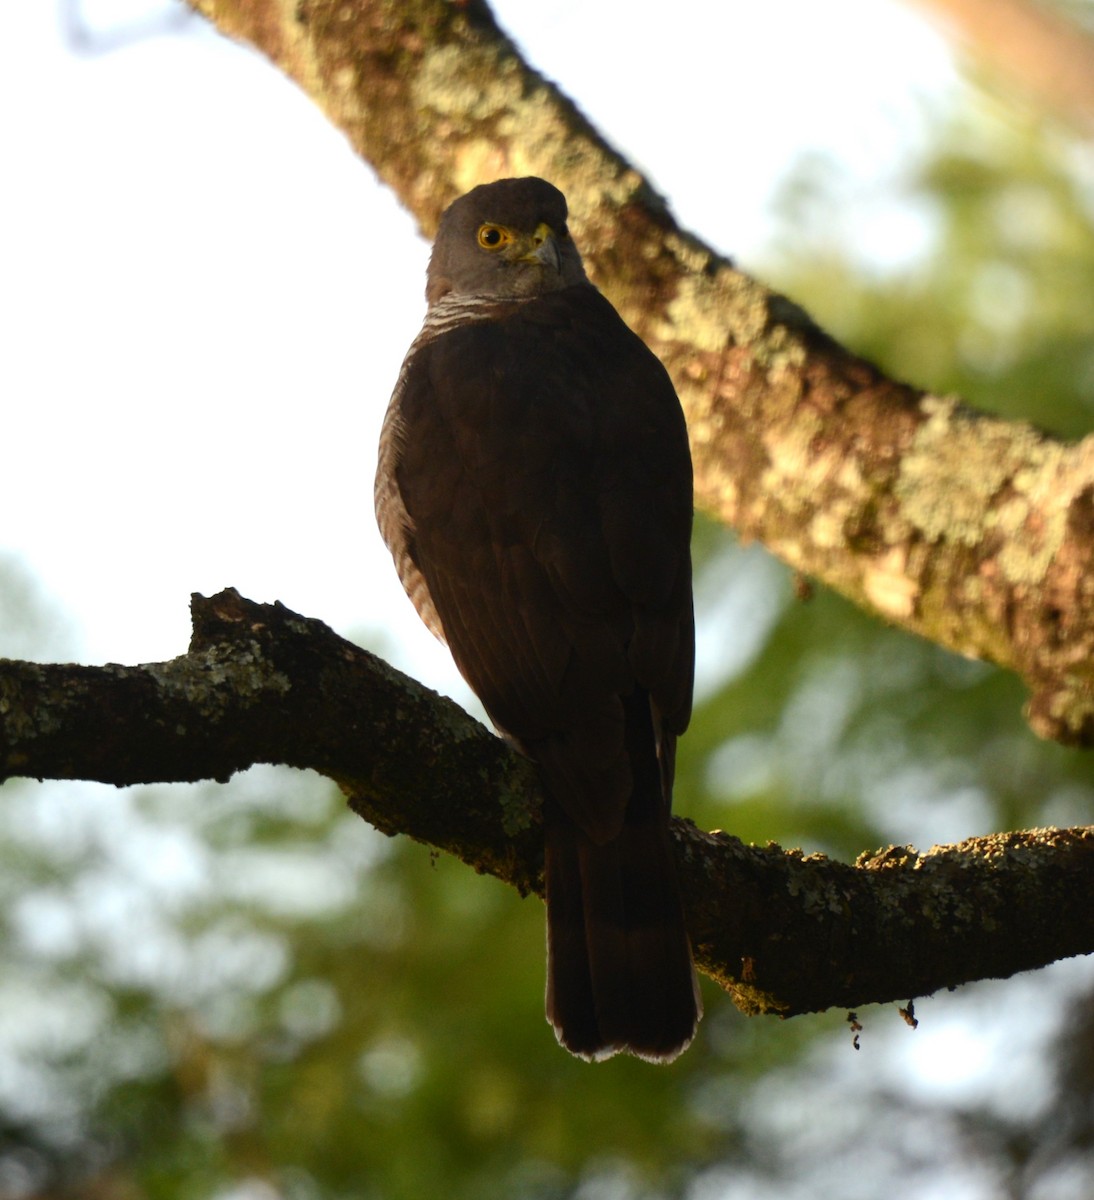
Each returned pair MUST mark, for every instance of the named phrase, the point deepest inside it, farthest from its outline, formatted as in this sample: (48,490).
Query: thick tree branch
(974,532)
(781,932)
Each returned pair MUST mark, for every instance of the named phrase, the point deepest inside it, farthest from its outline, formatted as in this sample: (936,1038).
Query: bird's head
(506,240)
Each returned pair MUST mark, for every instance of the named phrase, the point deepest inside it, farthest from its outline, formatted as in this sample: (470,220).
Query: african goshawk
(534,488)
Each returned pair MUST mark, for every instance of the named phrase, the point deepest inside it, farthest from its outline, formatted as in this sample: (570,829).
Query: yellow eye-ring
(493,237)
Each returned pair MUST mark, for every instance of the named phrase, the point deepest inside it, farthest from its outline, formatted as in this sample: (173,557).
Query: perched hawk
(534,488)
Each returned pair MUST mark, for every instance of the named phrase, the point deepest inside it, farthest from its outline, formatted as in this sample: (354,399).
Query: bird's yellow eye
(493,237)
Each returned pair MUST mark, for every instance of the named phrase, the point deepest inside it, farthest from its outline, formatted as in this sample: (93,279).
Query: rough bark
(781,932)
(974,532)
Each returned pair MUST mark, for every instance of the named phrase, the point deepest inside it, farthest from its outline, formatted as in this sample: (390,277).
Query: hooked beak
(543,248)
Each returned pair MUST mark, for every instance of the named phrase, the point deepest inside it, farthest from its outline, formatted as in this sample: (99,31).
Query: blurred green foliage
(245,993)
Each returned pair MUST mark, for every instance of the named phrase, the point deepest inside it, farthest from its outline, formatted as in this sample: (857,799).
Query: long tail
(619,969)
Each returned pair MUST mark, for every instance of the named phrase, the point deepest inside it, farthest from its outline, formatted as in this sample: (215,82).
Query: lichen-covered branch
(974,532)
(781,932)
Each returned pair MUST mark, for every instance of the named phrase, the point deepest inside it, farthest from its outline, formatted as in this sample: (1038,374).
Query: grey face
(507,240)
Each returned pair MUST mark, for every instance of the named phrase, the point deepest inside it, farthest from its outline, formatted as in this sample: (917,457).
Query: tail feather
(571,1004)
(620,976)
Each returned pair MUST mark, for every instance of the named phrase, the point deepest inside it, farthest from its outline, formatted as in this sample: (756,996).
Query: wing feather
(542,511)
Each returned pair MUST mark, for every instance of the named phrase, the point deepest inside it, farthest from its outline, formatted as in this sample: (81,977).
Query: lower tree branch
(782,932)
